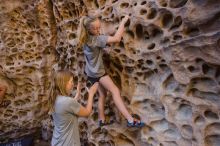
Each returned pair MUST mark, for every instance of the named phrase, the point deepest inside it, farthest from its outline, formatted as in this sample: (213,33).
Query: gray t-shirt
(93,52)
(66,132)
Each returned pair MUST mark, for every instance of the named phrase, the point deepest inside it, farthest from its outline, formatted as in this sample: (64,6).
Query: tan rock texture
(167,67)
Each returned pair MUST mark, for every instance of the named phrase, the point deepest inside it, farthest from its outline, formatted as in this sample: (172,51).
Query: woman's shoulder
(64,98)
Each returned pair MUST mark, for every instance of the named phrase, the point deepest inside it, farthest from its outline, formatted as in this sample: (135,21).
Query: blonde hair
(83,31)
(60,80)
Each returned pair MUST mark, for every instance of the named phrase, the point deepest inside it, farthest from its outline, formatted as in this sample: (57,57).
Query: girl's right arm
(85,111)
(117,37)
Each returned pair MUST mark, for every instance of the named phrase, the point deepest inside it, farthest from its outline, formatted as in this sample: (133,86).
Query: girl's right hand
(93,88)
(125,19)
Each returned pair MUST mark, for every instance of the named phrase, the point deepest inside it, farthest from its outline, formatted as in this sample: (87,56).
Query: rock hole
(144,2)
(149,62)
(191,30)
(143,11)
(154,31)
(187,131)
(45,24)
(72,36)
(199,120)
(191,69)
(129,69)
(205,68)
(96,4)
(158,58)
(112,16)
(212,140)
(184,112)
(177,3)
(167,19)
(114,1)
(217,73)
(130,33)
(177,37)
(218,43)
(14,117)
(211,115)
(124,5)
(151,46)
(127,23)
(121,44)
(163,66)
(139,30)
(146,35)
(163,3)
(152,13)
(177,22)
(14,50)
(165,40)
(199,60)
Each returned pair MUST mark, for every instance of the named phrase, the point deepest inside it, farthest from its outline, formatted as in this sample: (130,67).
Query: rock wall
(167,67)
(27,40)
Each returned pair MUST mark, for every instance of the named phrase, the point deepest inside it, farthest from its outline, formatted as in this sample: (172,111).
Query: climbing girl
(93,44)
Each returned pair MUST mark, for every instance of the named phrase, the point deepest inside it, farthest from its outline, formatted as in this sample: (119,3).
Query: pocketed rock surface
(167,67)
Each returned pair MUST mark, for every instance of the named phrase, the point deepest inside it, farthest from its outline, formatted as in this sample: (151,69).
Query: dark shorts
(92,80)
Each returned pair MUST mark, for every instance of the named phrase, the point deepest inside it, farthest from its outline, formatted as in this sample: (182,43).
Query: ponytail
(83,33)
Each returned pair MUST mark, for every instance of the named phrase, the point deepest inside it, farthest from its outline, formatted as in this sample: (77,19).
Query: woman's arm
(117,37)
(85,111)
(77,96)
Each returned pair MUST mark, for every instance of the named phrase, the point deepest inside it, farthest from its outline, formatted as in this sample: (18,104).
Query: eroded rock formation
(167,67)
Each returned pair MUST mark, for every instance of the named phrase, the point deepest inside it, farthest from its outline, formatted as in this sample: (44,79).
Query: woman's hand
(93,89)
(85,111)
(78,91)
(79,87)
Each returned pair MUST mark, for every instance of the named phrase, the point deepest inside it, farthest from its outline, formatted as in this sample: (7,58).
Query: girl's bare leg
(108,84)
(101,102)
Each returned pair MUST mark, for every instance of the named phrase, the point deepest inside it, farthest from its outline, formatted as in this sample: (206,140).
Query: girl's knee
(102,97)
(115,90)
(102,94)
